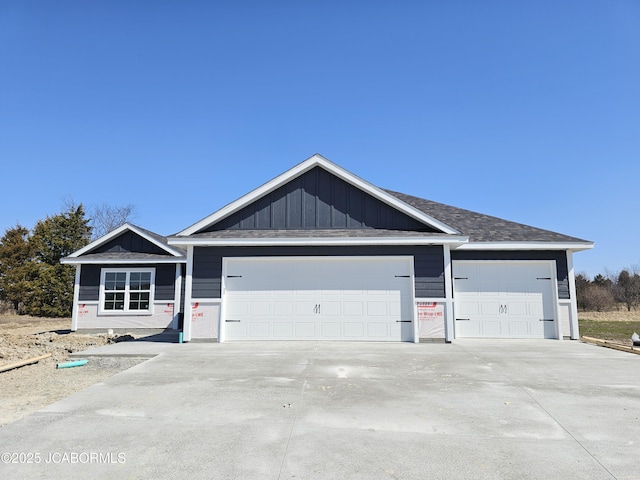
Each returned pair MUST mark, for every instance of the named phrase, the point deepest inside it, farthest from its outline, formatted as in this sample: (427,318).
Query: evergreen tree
(16,267)
(54,238)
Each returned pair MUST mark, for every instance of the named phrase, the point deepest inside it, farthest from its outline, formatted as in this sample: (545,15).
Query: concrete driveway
(474,409)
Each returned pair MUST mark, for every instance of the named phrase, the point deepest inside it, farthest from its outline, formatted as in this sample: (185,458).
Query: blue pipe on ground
(76,363)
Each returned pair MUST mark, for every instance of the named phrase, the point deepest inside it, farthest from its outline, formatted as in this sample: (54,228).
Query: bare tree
(598,298)
(105,218)
(627,287)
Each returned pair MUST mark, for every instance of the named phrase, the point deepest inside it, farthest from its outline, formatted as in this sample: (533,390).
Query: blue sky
(528,111)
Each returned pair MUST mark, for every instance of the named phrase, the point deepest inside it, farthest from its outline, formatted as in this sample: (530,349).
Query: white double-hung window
(127,290)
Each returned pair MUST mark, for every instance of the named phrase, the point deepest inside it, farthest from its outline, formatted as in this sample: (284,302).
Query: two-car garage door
(309,298)
(506,299)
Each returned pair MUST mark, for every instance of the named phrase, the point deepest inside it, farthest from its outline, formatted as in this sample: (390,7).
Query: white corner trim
(177,291)
(76,298)
(188,297)
(449,323)
(118,231)
(314,161)
(573,246)
(573,306)
(314,241)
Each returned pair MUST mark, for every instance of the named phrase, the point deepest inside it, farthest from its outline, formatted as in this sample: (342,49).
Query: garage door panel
(377,329)
(238,308)
(468,308)
(331,330)
(519,328)
(305,330)
(258,329)
(283,329)
(236,329)
(355,298)
(354,329)
(492,328)
(488,288)
(283,309)
(465,328)
(376,309)
(536,308)
(259,309)
(490,308)
(353,309)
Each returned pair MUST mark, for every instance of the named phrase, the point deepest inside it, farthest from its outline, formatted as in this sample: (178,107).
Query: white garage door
(504,299)
(311,298)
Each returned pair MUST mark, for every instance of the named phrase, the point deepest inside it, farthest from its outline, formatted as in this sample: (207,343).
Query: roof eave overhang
(259,242)
(113,261)
(312,162)
(573,246)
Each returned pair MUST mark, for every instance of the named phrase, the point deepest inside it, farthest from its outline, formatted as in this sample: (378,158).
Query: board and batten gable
(318,200)
(129,242)
(428,264)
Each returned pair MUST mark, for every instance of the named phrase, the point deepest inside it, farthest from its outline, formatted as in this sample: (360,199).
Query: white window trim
(126,311)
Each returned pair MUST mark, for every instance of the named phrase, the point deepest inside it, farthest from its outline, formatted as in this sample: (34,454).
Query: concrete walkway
(474,409)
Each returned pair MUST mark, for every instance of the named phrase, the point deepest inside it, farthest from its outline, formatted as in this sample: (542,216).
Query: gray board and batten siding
(428,264)
(90,281)
(130,242)
(560,257)
(318,200)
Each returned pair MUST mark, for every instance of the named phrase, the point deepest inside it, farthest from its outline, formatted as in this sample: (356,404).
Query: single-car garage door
(312,298)
(506,299)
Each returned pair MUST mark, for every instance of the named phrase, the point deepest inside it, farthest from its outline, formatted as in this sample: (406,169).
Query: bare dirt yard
(29,388)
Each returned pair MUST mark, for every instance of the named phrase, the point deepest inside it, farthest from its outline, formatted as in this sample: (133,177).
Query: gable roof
(313,162)
(88,253)
(463,229)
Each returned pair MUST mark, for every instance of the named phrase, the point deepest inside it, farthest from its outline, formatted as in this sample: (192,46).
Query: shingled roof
(480,227)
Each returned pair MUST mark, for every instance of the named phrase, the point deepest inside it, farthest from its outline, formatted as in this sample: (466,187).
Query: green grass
(619,330)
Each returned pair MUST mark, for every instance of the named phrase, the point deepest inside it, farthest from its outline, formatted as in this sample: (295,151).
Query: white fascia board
(573,246)
(110,261)
(118,231)
(317,160)
(243,242)
(101,240)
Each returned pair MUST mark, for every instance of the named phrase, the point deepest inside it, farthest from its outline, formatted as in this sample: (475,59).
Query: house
(318,253)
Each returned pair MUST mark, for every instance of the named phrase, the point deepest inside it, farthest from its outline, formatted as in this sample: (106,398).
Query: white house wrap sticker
(431,319)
